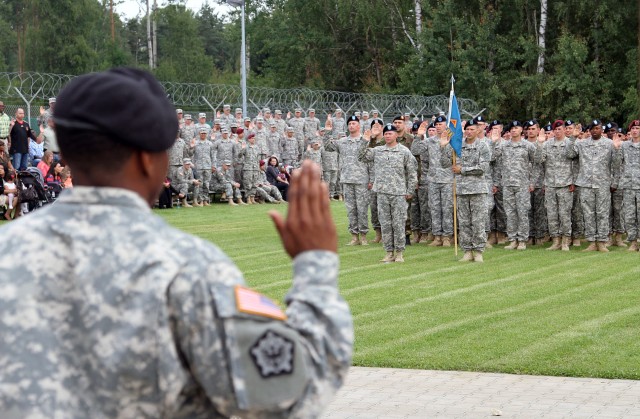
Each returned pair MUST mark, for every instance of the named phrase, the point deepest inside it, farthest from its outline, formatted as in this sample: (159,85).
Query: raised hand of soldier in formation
(41,110)
(376,130)
(495,135)
(422,130)
(218,114)
(309,224)
(617,141)
(444,138)
(244,145)
(193,143)
(366,136)
(288,115)
(541,136)
(328,125)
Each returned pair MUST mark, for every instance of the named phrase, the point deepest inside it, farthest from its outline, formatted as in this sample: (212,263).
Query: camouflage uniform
(471,192)
(291,151)
(577,220)
(373,196)
(558,176)
(440,187)
(396,177)
(281,124)
(629,158)
(177,152)
(204,126)
(315,156)
(339,126)
(225,149)
(273,143)
(204,157)
(185,182)
(261,142)
(616,217)
(595,181)
(188,132)
(538,226)
(498,216)
(227,119)
(298,127)
(421,218)
(149,322)
(516,160)
(330,170)
(224,181)
(354,176)
(311,128)
(250,156)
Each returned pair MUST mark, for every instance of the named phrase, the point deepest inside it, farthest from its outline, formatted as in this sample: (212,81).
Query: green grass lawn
(532,312)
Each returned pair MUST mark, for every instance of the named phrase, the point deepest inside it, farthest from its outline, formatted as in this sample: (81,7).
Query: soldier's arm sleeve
(419,145)
(540,154)
(249,358)
(483,163)
(411,169)
(571,148)
(329,143)
(496,151)
(446,156)
(616,166)
(365,154)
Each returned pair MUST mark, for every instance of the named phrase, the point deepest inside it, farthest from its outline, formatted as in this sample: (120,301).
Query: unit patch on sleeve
(273,355)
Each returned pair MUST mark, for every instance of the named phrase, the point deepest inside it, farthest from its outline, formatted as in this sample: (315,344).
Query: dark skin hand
(309,225)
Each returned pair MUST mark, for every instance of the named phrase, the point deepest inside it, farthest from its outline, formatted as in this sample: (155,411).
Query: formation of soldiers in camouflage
(518,185)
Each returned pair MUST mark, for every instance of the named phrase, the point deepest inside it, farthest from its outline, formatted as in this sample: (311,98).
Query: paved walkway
(396,393)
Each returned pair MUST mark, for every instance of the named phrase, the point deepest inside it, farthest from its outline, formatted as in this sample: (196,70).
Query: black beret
(531,123)
(548,128)
(353,118)
(471,123)
(389,127)
(416,125)
(126,104)
(494,123)
(568,123)
(515,124)
(431,125)
(441,118)
(479,118)
(398,118)
(611,126)
(594,123)
(377,121)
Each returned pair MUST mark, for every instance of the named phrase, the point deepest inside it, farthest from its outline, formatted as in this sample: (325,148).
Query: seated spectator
(53,179)
(36,151)
(8,194)
(5,159)
(45,163)
(165,200)
(274,177)
(67,182)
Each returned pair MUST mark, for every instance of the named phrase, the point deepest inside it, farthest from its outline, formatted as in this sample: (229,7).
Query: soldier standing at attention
(226,118)
(629,160)
(202,124)
(280,123)
(354,176)
(516,161)
(178,151)
(558,185)
(204,156)
(188,131)
(538,228)
(291,150)
(311,126)
(173,329)
(250,156)
(338,124)
(471,189)
(395,183)
(376,140)
(421,153)
(595,182)
(297,123)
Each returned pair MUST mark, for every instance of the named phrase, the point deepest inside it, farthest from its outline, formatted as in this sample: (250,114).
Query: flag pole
(455,198)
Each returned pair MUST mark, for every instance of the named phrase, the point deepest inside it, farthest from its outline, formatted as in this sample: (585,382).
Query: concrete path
(396,393)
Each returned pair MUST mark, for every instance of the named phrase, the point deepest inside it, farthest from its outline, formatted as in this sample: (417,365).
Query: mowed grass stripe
(533,312)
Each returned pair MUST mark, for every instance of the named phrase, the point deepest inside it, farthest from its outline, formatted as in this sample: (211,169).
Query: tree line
(518,58)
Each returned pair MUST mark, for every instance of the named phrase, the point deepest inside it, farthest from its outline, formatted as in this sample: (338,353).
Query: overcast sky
(133,8)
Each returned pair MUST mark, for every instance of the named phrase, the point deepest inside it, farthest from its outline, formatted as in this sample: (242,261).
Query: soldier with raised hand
(616,224)
(628,157)
(376,139)
(291,150)
(538,225)
(421,153)
(571,129)
(204,156)
(330,170)
(395,183)
(354,176)
(516,158)
(498,217)
(558,184)
(226,118)
(471,189)
(188,130)
(185,183)
(596,156)
(297,123)
(338,123)
(311,126)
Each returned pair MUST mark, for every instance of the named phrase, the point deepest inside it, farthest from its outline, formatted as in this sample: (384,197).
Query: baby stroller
(35,193)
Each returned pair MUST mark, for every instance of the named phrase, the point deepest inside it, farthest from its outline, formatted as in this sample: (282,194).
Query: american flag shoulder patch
(252,302)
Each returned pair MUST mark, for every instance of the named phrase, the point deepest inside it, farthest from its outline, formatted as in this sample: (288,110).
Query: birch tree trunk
(418,9)
(541,33)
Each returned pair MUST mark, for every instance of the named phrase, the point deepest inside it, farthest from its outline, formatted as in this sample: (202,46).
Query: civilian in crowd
(36,152)
(45,163)
(5,159)
(20,135)
(10,190)
(274,178)
(53,179)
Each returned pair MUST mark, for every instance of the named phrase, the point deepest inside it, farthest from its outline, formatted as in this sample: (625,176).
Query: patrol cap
(338,110)
(377,121)
(179,110)
(357,113)
(441,118)
(52,100)
(272,124)
(278,112)
(314,141)
(238,110)
(365,113)
(259,119)
(375,111)
(494,123)
(266,110)
(290,129)
(202,115)
(634,123)
(224,131)
(186,160)
(558,123)
(126,104)
(389,127)
(548,128)
(216,122)
(594,123)
(353,118)
(203,130)
(188,116)
(226,163)
(407,114)
(298,110)
(311,110)
(226,107)
(247,119)
(398,118)
(568,123)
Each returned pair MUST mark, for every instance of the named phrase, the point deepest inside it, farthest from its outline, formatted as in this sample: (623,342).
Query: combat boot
(491,238)
(477,257)
(240,201)
(565,244)
(233,204)
(388,258)
(488,245)
(608,242)
(602,247)
(576,242)
(546,238)
(618,240)
(522,246)
(399,257)
(633,246)
(223,197)
(437,241)
(363,240)
(206,203)
(530,241)
(340,198)
(426,238)
(502,238)
(378,238)
(249,201)
(354,240)
(591,248)
(512,246)
(185,203)
(415,239)
(555,245)
(468,257)
(446,241)
(196,203)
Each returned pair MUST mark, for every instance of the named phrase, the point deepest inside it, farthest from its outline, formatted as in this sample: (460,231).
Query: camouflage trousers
(204,175)
(517,202)
(392,211)
(490,204)
(420,212)
(538,215)
(268,193)
(472,220)
(441,206)
(498,216)
(231,191)
(373,203)
(596,205)
(559,203)
(356,200)
(237,172)
(331,179)
(631,210)
(172,173)
(249,180)
(577,220)
(617,216)
(185,188)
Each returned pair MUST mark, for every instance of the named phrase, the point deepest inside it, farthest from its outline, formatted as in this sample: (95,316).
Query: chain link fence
(32,90)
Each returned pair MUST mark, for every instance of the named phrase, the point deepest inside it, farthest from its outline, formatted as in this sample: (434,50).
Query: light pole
(243,57)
